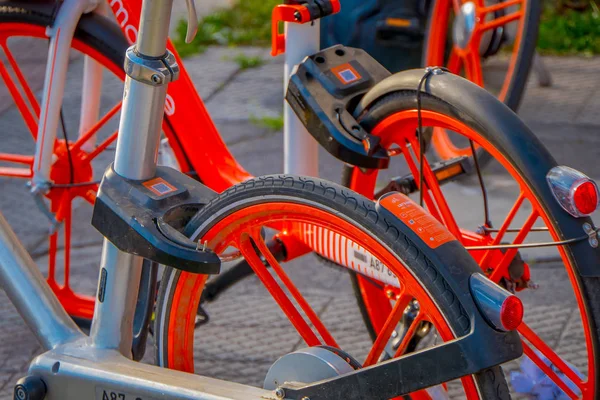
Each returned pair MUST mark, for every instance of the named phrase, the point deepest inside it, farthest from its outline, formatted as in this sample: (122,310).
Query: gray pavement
(247,331)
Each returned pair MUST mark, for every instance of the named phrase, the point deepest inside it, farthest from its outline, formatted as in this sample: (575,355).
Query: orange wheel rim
(400,128)
(298,220)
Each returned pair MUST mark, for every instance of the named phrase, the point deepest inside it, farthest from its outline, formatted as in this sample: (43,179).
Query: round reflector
(585,197)
(511,314)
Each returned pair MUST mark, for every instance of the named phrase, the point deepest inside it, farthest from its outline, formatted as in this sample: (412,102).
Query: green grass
(570,32)
(271,123)
(247,23)
(247,62)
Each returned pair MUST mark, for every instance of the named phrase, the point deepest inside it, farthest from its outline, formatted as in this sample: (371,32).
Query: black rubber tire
(362,213)
(527,155)
(523,66)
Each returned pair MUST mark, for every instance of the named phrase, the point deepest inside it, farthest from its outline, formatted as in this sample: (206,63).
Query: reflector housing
(502,309)
(576,193)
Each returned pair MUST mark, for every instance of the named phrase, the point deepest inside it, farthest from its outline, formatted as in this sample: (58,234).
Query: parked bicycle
(145,212)
(388,111)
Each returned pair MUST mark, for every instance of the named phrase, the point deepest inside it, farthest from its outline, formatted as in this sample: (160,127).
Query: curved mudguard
(474,106)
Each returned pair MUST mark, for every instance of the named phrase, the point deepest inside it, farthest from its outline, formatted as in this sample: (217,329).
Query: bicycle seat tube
(149,69)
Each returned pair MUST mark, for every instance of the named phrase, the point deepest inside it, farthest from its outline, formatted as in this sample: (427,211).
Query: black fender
(98,31)
(499,125)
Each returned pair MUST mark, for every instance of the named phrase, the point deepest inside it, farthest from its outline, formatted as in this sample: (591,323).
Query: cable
(486,210)
(428,72)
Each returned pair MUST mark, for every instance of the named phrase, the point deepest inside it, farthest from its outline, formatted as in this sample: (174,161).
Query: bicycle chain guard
(323,92)
(145,218)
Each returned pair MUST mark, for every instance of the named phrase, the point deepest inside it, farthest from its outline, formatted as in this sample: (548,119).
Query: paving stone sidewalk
(247,331)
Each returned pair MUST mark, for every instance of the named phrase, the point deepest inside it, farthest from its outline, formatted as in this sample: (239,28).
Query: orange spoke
(248,251)
(500,269)
(310,313)
(16,158)
(432,183)
(383,336)
(496,7)
(85,137)
(101,147)
(554,358)
(454,62)
(548,371)
(495,23)
(409,334)
(19,101)
(505,225)
(473,67)
(28,92)
(412,165)
(16,172)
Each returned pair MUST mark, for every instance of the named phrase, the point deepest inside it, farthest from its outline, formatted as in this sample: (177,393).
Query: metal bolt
(587,228)
(280,393)
(594,242)
(156,78)
(390,294)
(305,398)
(21,395)
(298,16)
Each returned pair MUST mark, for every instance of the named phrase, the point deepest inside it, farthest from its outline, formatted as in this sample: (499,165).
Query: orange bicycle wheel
(489,42)
(305,208)
(80,159)
(520,210)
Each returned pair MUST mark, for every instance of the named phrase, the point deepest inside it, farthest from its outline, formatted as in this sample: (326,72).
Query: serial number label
(112,394)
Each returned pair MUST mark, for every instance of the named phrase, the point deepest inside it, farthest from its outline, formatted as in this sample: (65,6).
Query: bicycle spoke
(310,313)
(412,165)
(410,333)
(26,88)
(101,147)
(505,225)
(500,269)
(473,70)
(499,6)
(20,102)
(548,371)
(89,134)
(440,199)
(246,246)
(498,22)
(554,358)
(385,333)
(455,62)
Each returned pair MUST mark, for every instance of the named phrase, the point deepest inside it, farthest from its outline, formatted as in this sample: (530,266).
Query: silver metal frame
(76,366)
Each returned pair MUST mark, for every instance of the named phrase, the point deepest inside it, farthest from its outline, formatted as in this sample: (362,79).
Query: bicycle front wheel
(330,219)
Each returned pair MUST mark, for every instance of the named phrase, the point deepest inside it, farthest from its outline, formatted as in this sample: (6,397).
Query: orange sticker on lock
(429,229)
(346,73)
(159,186)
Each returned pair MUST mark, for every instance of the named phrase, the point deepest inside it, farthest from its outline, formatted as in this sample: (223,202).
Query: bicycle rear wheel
(489,42)
(311,210)
(521,210)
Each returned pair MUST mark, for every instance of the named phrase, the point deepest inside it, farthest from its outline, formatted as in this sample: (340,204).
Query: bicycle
(141,209)
(468,36)
(500,138)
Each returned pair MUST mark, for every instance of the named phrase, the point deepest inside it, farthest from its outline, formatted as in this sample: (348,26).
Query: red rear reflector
(575,192)
(511,314)
(585,197)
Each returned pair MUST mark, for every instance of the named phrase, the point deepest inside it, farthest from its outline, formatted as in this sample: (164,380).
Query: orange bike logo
(122,16)
(131,33)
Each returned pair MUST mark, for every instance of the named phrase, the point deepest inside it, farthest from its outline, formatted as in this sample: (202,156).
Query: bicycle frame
(183,107)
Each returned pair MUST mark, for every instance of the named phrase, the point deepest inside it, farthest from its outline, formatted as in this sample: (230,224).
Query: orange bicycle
(383,124)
